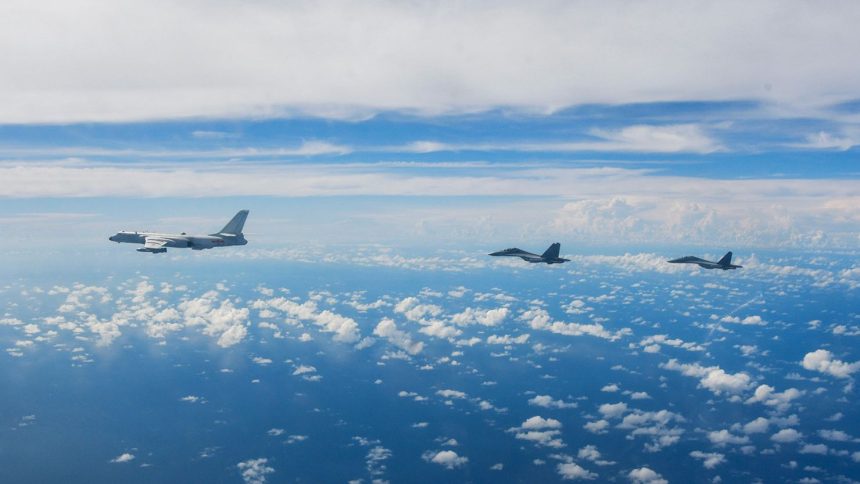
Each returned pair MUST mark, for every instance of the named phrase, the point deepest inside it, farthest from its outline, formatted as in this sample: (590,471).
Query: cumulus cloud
(749,320)
(611,410)
(122,458)
(547,401)
(823,361)
(709,459)
(651,344)
(713,378)
(220,319)
(445,458)
(786,436)
(539,319)
(254,471)
(645,475)
(767,395)
(819,449)
(597,427)
(414,310)
(345,329)
(484,317)
(507,339)
(388,329)
(448,393)
(572,471)
(757,426)
(540,431)
(721,438)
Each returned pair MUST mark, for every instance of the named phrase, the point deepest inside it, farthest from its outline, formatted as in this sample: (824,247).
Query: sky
(730,123)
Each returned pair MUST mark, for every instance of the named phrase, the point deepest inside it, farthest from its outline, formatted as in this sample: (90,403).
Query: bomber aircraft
(550,256)
(156,243)
(725,263)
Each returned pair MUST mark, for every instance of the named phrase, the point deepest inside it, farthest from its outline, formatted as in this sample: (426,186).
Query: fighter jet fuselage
(548,257)
(156,243)
(724,264)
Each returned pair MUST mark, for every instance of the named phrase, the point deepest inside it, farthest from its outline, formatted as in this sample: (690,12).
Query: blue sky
(657,174)
(731,124)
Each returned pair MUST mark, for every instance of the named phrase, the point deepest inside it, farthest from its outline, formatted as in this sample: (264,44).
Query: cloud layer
(97,61)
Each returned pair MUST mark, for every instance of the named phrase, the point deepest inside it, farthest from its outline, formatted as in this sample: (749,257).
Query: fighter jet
(157,243)
(725,263)
(548,257)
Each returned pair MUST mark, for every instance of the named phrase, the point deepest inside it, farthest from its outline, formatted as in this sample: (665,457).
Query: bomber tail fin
(235,225)
(726,260)
(552,252)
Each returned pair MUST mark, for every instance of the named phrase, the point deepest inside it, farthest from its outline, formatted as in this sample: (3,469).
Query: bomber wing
(155,245)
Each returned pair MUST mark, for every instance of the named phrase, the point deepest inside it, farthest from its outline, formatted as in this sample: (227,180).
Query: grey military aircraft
(550,256)
(157,243)
(725,263)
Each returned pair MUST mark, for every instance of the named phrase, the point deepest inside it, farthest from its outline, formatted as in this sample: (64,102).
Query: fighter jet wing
(154,243)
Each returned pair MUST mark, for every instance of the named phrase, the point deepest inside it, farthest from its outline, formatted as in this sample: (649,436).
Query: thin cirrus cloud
(679,138)
(85,60)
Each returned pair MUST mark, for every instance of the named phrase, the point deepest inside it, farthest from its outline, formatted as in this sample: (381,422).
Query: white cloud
(447,393)
(642,138)
(597,427)
(234,61)
(822,361)
(541,431)
(218,318)
(345,329)
(819,449)
(572,471)
(485,317)
(709,459)
(757,426)
(413,310)
(375,459)
(713,378)
(122,458)
(836,436)
(304,370)
(644,475)
(547,401)
(438,329)
(612,410)
(722,437)
(254,471)
(603,203)
(786,436)
(781,400)
(446,458)
(507,339)
(539,319)
(662,339)
(388,329)
(749,320)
